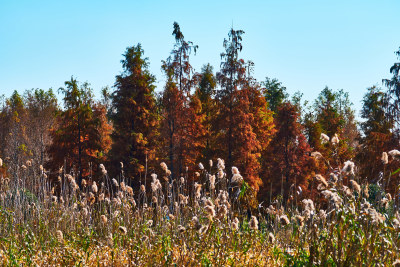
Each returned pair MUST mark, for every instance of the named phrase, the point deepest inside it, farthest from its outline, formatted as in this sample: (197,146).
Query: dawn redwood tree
(377,136)
(182,126)
(77,136)
(205,93)
(41,109)
(105,129)
(134,115)
(195,133)
(289,162)
(172,121)
(350,132)
(230,78)
(244,124)
(262,125)
(392,101)
(14,149)
(274,93)
(332,113)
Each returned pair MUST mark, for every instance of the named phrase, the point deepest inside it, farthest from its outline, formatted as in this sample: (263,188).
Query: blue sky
(304,44)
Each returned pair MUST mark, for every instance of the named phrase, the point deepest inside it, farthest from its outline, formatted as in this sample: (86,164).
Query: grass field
(208,223)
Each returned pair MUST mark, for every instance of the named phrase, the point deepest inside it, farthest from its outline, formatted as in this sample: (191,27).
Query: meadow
(209,222)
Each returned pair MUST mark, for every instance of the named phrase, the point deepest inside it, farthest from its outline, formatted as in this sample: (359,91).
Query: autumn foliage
(195,117)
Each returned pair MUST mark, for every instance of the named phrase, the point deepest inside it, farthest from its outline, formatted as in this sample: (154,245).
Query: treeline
(278,143)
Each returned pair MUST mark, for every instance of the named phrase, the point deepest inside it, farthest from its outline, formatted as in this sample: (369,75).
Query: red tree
(243,122)
(80,134)
(182,126)
(289,164)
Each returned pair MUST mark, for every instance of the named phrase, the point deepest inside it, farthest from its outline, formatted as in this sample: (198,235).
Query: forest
(214,168)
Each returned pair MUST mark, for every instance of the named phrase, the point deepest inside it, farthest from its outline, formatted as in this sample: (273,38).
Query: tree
(205,93)
(230,78)
(14,135)
(373,111)
(25,124)
(377,135)
(275,93)
(244,124)
(328,114)
(77,136)
(350,132)
(134,115)
(172,120)
(41,109)
(182,119)
(106,99)
(332,113)
(392,101)
(258,125)
(289,163)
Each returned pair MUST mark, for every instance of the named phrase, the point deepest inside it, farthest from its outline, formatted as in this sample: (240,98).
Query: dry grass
(190,225)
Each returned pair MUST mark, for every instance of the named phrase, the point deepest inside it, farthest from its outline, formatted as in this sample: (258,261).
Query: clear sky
(304,44)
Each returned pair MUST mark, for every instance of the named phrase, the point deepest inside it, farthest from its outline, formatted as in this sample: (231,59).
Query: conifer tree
(15,139)
(332,113)
(182,124)
(230,78)
(275,93)
(134,115)
(289,162)
(205,92)
(377,136)
(392,100)
(244,123)
(41,108)
(77,136)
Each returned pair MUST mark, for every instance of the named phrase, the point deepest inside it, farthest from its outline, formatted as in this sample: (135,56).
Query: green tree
(275,93)
(373,111)
(350,132)
(392,101)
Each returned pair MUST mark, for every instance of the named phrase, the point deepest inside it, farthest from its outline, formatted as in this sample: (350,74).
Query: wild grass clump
(201,220)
